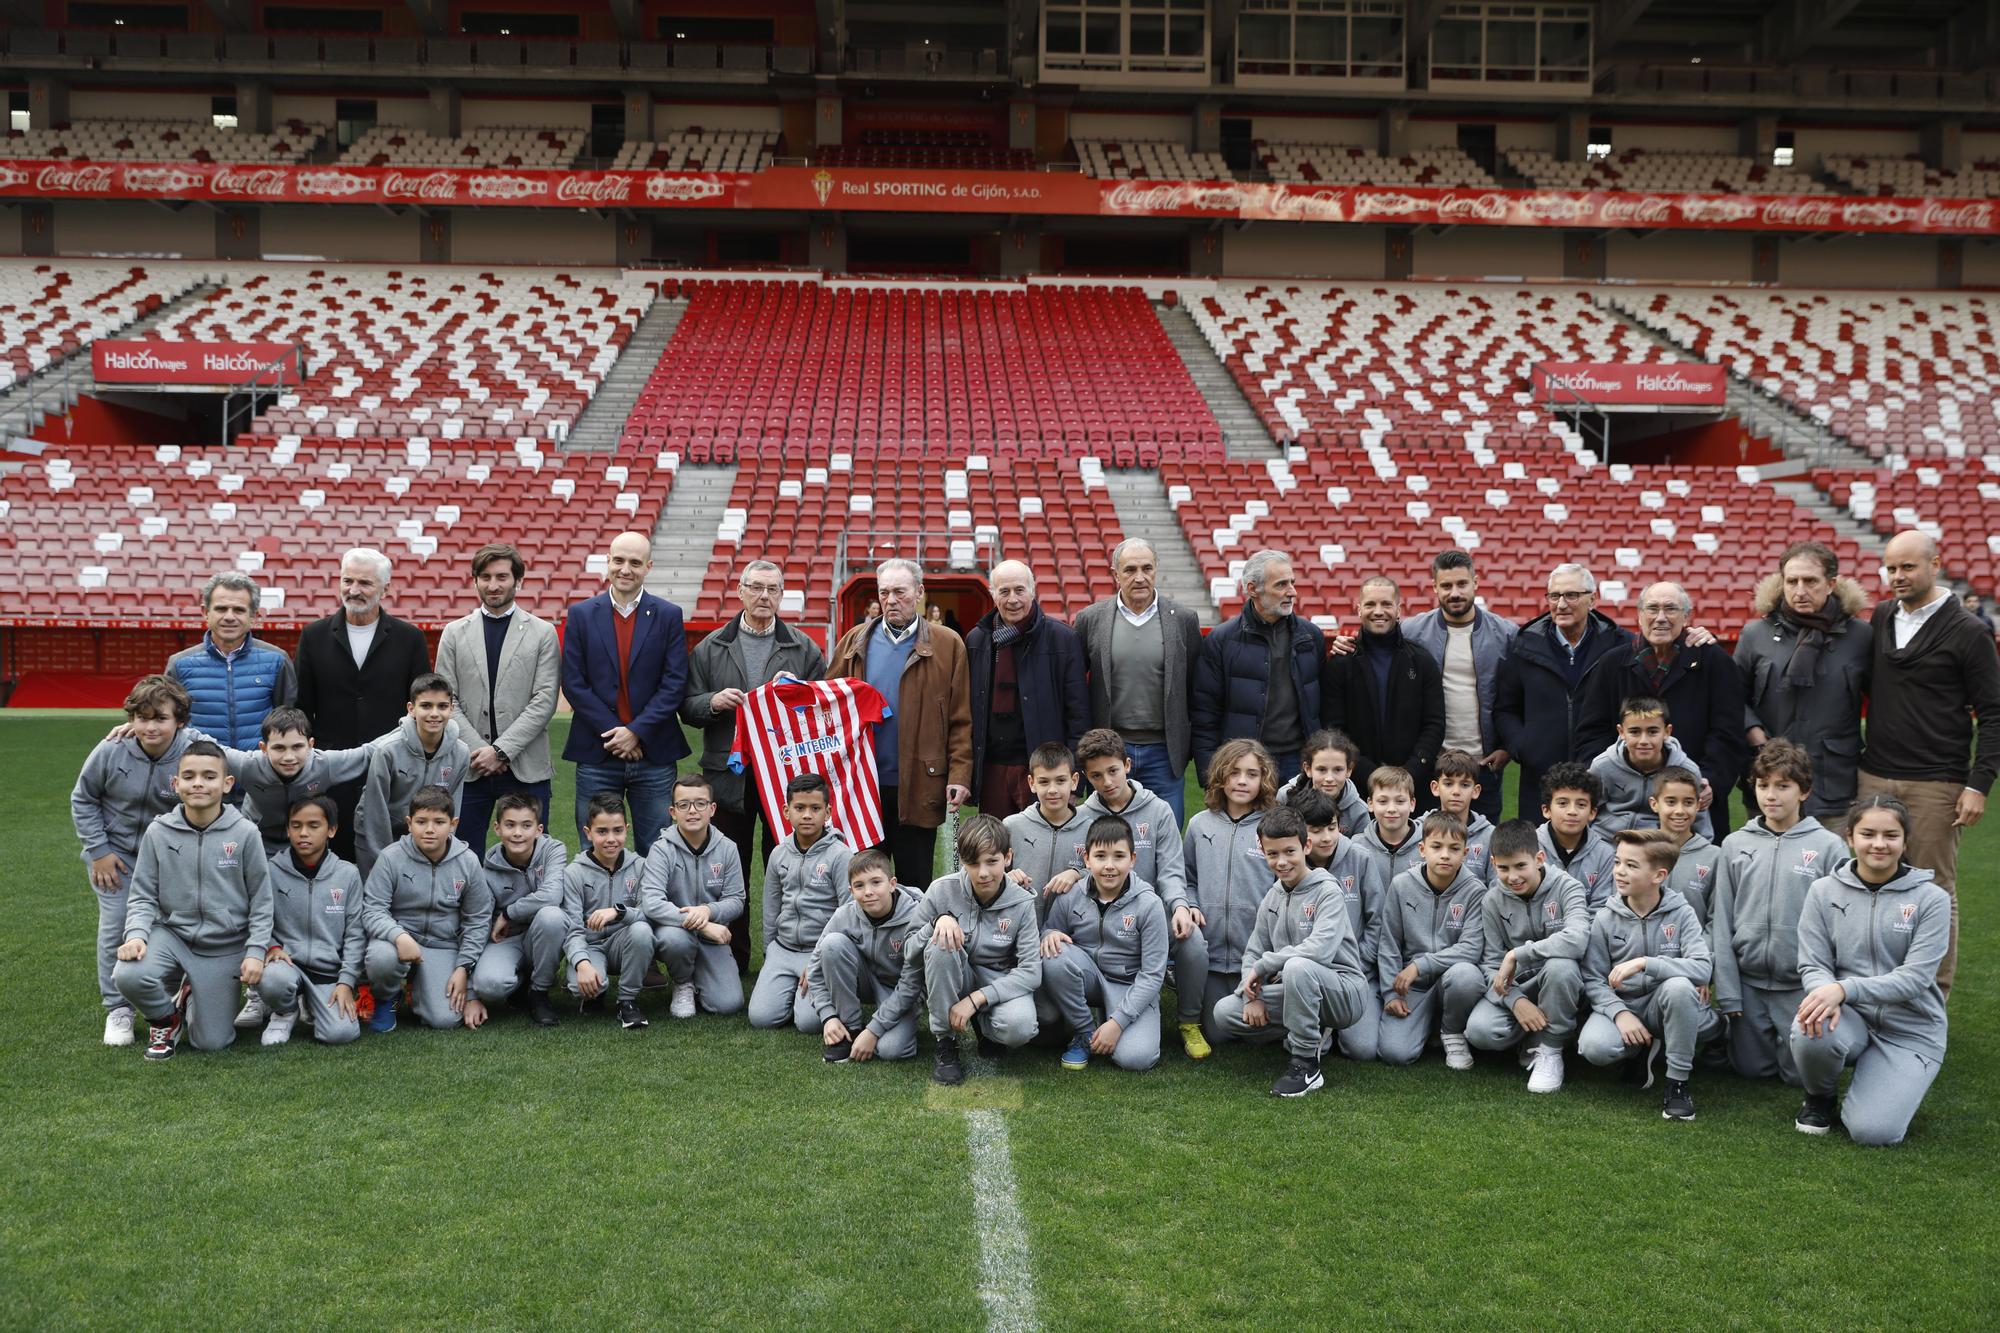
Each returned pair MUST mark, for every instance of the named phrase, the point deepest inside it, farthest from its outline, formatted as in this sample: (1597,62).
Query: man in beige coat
(503,665)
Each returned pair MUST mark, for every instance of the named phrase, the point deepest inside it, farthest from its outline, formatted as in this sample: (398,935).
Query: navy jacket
(656,678)
(1533,705)
(1409,731)
(1054,695)
(1704,697)
(231,696)
(1232,676)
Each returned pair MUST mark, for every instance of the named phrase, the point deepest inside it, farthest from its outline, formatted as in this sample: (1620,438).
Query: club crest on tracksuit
(1006,925)
(1551,911)
(1310,909)
(1671,933)
(1908,923)
(228,858)
(444,776)
(1458,914)
(1701,872)
(1130,921)
(895,944)
(311,787)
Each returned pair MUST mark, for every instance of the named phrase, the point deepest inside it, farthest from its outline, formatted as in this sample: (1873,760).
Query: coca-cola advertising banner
(1631,384)
(1029,192)
(117,361)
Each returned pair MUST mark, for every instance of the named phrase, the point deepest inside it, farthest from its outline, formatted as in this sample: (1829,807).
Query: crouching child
(871,952)
(314,961)
(1104,944)
(427,912)
(982,959)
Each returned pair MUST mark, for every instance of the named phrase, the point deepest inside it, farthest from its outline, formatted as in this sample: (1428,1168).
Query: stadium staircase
(1807,495)
(1143,512)
(51,390)
(685,536)
(1243,433)
(602,423)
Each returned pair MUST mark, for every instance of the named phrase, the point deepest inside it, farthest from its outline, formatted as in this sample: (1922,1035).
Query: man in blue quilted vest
(232,677)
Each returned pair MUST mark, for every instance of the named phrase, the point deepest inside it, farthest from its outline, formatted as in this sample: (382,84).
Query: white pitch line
(1006,1283)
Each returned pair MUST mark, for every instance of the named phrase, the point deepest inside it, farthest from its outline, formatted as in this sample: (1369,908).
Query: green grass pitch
(699,1175)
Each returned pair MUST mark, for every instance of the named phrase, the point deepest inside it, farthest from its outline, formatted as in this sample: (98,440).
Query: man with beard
(1805,667)
(1467,642)
(355,669)
(1388,694)
(1258,676)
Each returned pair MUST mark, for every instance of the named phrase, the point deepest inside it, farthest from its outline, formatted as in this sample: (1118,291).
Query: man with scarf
(1701,686)
(1805,665)
(1028,688)
(1257,676)
(1388,694)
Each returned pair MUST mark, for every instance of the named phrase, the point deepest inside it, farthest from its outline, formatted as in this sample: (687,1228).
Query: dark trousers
(1003,790)
(476,801)
(913,849)
(1492,783)
(740,827)
(347,796)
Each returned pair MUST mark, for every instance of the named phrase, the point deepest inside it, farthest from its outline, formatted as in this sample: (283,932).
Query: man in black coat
(1257,677)
(1028,688)
(1699,683)
(355,668)
(1388,694)
(1536,699)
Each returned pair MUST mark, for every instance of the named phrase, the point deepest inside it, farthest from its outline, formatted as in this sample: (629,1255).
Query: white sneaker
(1457,1052)
(1526,1054)
(279,1030)
(118,1026)
(1547,1074)
(682,1005)
(253,1012)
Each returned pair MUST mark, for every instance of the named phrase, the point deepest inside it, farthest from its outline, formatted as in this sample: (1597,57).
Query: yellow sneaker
(1194,1043)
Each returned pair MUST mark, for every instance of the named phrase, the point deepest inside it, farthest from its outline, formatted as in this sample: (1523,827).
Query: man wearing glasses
(1537,697)
(751,650)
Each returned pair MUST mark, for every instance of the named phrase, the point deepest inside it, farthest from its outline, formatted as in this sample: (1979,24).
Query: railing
(44,394)
(243,400)
(1584,416)
(860,548)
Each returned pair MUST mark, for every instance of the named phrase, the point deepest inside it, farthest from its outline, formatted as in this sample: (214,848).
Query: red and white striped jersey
(826,727)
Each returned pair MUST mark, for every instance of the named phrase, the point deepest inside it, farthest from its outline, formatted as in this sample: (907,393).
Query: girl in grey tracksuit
(120,791)
(1881,944)
(316,918)
(803,887)
(519,895)
(1002,955)
(1442,932)
(861,959)
(1350,805)
(398,764)
(1227,878)
(1754,913)
(444,905)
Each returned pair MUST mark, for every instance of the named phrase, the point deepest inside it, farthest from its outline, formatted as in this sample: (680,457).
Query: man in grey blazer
(503,665)
(749,651)
(1140,648)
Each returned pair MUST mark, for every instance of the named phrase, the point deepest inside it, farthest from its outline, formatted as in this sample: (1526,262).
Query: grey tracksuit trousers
(1889,1082)
(628,951)
(687,957)
(950,976)
(1307,998)
(1759,1040)
(111,932)
(851,983)
(1073,981)
(388,974)
(284,986)
(1672,1012)
(150,985)
(776,998)
(1557,991)
(1445,1006)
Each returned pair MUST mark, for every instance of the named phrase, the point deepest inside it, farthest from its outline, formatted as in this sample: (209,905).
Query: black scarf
(1803,669)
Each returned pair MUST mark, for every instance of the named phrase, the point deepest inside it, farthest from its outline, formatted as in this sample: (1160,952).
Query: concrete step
(1140,498)
(684,537)
(602,423)
(1243,432)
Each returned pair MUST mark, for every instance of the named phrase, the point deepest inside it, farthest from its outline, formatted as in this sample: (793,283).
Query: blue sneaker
(1078,1054)
(384,1017)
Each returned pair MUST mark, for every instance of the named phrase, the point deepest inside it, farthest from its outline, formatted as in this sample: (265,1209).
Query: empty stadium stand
(701,150)
(1147,159)
(1344,164)
(163,141)
(1908,176)
(49,312)
(492,146)
(926,150)
(1658,169)
(1957,503)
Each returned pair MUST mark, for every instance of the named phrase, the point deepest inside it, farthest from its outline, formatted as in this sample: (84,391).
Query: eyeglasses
(1661,608)
(692,807)
(762,589)
(1569,596)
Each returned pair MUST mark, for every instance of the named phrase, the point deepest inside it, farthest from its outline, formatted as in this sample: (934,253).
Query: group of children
(1308,915)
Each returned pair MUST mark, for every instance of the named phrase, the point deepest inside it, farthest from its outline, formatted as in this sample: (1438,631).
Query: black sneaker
(1818,1115)
(163,1039)
(947,1070)
(596,1008)
(540,1010)
(1679,1105)
(837,1053)
(1638,1069)
(630,1017)
(1301,1076)
(990,1049)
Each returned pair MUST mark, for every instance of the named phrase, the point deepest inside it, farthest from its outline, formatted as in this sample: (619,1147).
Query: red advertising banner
(1628,384)
(115,361)
(1031,192)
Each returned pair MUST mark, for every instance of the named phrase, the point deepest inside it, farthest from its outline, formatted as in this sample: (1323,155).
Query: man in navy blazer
(624,669)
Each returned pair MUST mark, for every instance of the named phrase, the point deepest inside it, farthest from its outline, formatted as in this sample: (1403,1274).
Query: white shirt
(1461,692)
(500,615)
(1909,622)
(627,609)
(359,637)
(1137,618)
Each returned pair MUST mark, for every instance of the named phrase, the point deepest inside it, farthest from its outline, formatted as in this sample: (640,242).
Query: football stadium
(1000,664)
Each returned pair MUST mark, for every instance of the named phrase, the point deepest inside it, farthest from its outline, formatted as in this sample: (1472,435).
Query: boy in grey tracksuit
(803,887)
(199,909)
(523,881)
(406,759)
(1653,923)
(1754,912)
(1628,792)
(316,920)
(604,923)
(1047,844)
(439,900)
(1427,953)
(1159,860)
(1301,969)
(1589,864)
(1362,887)
(272,779)
(1227,879)
(865,957)
(1881,944)
(1389,861)
(1112,951)
(1001,956)
(1676,804)
(1698,874)
(681,876)
(1540,918)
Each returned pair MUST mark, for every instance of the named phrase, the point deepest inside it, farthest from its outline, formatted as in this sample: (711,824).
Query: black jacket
(1232,677)
(1533,705)
(1410,731)
(1922,699)
(1703,692)
(1048,673)
(352,705)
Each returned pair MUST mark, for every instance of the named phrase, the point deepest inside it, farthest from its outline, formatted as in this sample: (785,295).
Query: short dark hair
(694,778)
(1314,806)
(432,797)
(324,804)
(492,551)
(1100,743)
(157,693)
(1781,758)
(1281,823)
(807,784)
(1451,826)
(1673,773)
(1829,563)
(603,803)
(1874,801)
(1330,738)
(430,683)
(1049,756)
(1571,776)
(1452,559)
(867,859)
(980,835)
(204,750)
(1108,831)
(516,800)
(1644,705)
(286,718)
(1457,764)
(1512,838)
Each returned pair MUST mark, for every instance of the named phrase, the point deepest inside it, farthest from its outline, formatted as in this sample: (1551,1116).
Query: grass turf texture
(707,1176)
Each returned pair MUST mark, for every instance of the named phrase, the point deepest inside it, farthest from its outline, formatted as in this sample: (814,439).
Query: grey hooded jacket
(1669,938)
(317,917)
(1551,922)
(1227,879)
(519,893)
(1435,930)
(1755,911)
(885,947)
(803,888)
(1883,945)
(120,791)
(398,766)
(210,886)
(1000,936)
(678,876)
(1308,921)
(441,904)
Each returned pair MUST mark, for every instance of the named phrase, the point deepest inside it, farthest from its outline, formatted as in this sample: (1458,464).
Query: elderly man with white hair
(1537,694)
(1028,689)
(1258,675)
(355,668)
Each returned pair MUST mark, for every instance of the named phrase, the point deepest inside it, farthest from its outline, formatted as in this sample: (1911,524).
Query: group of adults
(967,712)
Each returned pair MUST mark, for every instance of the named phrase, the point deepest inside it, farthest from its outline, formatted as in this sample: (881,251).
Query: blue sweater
(886,661)
(231,694)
